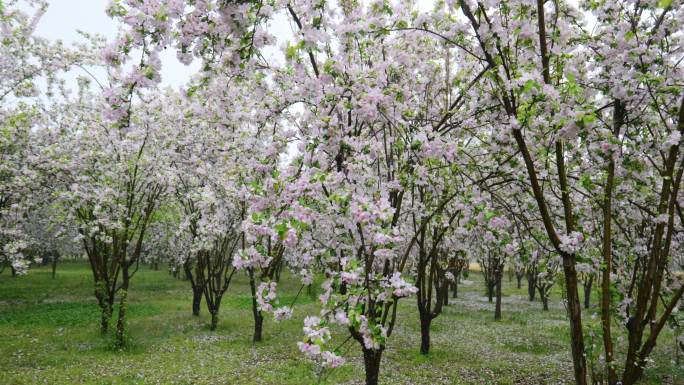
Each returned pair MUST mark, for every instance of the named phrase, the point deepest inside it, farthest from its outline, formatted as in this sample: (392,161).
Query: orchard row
(383,147)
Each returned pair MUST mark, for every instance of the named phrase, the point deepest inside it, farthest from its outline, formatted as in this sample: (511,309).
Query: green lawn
(49,335)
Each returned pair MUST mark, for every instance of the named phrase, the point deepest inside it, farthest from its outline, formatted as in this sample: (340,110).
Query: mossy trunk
(123,304)
(105,300)
(121,321)
(106,315)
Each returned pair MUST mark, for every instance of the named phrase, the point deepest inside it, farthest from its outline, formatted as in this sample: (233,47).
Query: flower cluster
(571,243)
(282,313)
(317,335)
(266,295)
(399,287)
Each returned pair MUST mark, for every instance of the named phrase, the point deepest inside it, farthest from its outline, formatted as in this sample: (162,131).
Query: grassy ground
(49,335)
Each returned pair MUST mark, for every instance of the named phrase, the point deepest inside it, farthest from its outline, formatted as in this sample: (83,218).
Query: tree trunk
(54,266)
(519,277)
(587,292)
(371,362)
(279,268)
(197,285)
(105,317)
(630,377)
(531,286)
(425,334)
(497,308)
(196,301)
(575,313)
(214,309)
(454,286)
(105,300)
(490,291)
(606,251)
(123,303)
(258,327)
(258,317)
(214,319)
(121,321)
(543,295)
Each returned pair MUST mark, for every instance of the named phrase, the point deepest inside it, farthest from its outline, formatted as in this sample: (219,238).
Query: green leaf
(291,52)
(328,67)
(585,180)
(664,3)
(281,228)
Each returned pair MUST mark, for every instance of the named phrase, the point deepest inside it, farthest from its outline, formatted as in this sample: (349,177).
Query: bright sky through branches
(64,18)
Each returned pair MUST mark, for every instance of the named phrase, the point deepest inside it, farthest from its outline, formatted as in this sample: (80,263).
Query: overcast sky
(65,17)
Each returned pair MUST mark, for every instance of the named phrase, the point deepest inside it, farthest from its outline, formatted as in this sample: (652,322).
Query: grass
(49,335)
